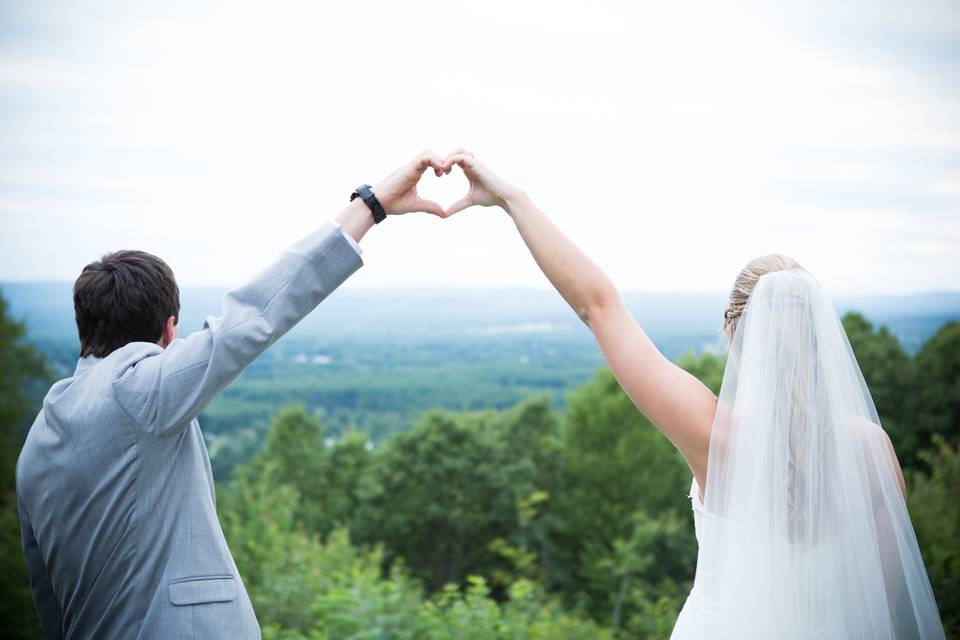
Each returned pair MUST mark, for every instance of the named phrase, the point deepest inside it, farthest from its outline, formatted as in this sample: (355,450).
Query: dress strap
(695,495)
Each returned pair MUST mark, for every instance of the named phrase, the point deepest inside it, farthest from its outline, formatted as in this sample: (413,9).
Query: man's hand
(486,188)
(398,192)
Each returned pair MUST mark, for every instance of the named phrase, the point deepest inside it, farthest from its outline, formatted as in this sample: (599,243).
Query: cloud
(672,144)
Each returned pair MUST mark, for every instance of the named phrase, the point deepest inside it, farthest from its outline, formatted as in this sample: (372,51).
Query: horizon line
(451,287)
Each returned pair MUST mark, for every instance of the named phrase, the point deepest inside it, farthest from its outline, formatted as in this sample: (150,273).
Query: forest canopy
(538,520)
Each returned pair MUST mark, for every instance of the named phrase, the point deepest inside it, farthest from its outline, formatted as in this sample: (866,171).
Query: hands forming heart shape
(398,192)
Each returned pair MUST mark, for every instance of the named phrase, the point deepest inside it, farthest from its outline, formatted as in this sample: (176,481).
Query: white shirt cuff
(353,243)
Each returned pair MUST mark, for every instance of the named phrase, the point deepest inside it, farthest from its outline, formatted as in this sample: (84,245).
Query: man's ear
(169,332)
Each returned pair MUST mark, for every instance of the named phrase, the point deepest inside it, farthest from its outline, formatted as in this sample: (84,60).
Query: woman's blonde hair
(746,280)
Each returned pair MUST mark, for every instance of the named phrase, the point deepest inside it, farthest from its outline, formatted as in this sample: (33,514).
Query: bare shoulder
(872,434)
(869,431)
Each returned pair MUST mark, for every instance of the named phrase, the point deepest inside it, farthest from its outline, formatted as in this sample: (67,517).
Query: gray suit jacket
(114,488)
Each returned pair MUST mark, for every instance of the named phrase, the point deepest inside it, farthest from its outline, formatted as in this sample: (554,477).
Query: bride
(797,495)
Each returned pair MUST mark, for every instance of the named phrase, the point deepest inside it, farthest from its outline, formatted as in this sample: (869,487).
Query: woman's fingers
(468,163)
(459,205)
(459,151)
(463,158)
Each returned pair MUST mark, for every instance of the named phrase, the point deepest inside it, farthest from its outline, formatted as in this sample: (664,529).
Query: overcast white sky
(673,143)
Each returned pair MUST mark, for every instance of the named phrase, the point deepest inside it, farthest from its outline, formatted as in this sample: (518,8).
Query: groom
(116,497)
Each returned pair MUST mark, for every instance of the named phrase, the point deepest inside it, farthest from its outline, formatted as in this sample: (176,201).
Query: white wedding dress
(803,531)
(699,616)
(699,611)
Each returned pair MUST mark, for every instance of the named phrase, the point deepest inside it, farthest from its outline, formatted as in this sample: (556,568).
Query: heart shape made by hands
(444,190)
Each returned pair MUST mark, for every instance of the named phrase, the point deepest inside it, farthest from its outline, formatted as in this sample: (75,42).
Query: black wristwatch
(366,193)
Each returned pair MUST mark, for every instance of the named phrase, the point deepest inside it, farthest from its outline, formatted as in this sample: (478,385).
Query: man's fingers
(428,158)
(459,205)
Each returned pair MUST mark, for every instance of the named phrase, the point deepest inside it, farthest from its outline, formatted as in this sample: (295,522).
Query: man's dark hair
(124,297)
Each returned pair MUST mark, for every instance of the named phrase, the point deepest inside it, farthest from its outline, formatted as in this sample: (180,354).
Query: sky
(672,141)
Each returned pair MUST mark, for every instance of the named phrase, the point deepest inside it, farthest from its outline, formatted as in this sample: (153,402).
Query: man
(114,488)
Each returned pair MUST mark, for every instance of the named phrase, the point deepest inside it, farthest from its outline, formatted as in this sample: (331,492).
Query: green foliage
(654,567)
(327,481)
(889,374)
(589,505)
(368,606)
(22,367)
(528,522)
(305,588)
(22,364)
(16,603)
(497,496)
(472,615)
(917,397)
(935,512)
(938,388)
(616,462)
(441,495)
(297,583)
(381,387)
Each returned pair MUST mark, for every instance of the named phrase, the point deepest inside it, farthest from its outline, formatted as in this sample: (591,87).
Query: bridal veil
(811,536)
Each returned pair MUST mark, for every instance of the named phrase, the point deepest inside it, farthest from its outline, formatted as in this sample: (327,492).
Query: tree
(348,471)
(307,589)
(327,480)
(935,512)
(531,435)
(937,406)
(273,514)
(22,365)
(889,374)
(619,473)
(440,495)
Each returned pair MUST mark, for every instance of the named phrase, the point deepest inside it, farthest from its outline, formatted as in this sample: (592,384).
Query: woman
(797,494)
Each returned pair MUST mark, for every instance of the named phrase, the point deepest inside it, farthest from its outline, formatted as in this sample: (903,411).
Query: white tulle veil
(810,536)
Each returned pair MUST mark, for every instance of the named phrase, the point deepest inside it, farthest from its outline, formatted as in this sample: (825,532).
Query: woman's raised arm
(675,401)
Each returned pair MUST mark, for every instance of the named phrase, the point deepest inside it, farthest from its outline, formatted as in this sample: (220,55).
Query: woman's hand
(486,188)
(398,192)
(675,401)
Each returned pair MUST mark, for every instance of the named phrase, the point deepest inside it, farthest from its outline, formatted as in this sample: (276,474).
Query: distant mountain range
(678,320)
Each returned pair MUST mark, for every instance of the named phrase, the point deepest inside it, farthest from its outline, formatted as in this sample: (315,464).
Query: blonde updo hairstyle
(746,280)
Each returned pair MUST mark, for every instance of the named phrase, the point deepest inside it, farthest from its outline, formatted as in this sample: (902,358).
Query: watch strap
(365,193)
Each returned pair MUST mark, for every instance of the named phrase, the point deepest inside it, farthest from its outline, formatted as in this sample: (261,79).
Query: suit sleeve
(46,603)
(164,391)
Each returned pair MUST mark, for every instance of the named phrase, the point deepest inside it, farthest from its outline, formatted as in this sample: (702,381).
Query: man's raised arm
(164,389)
